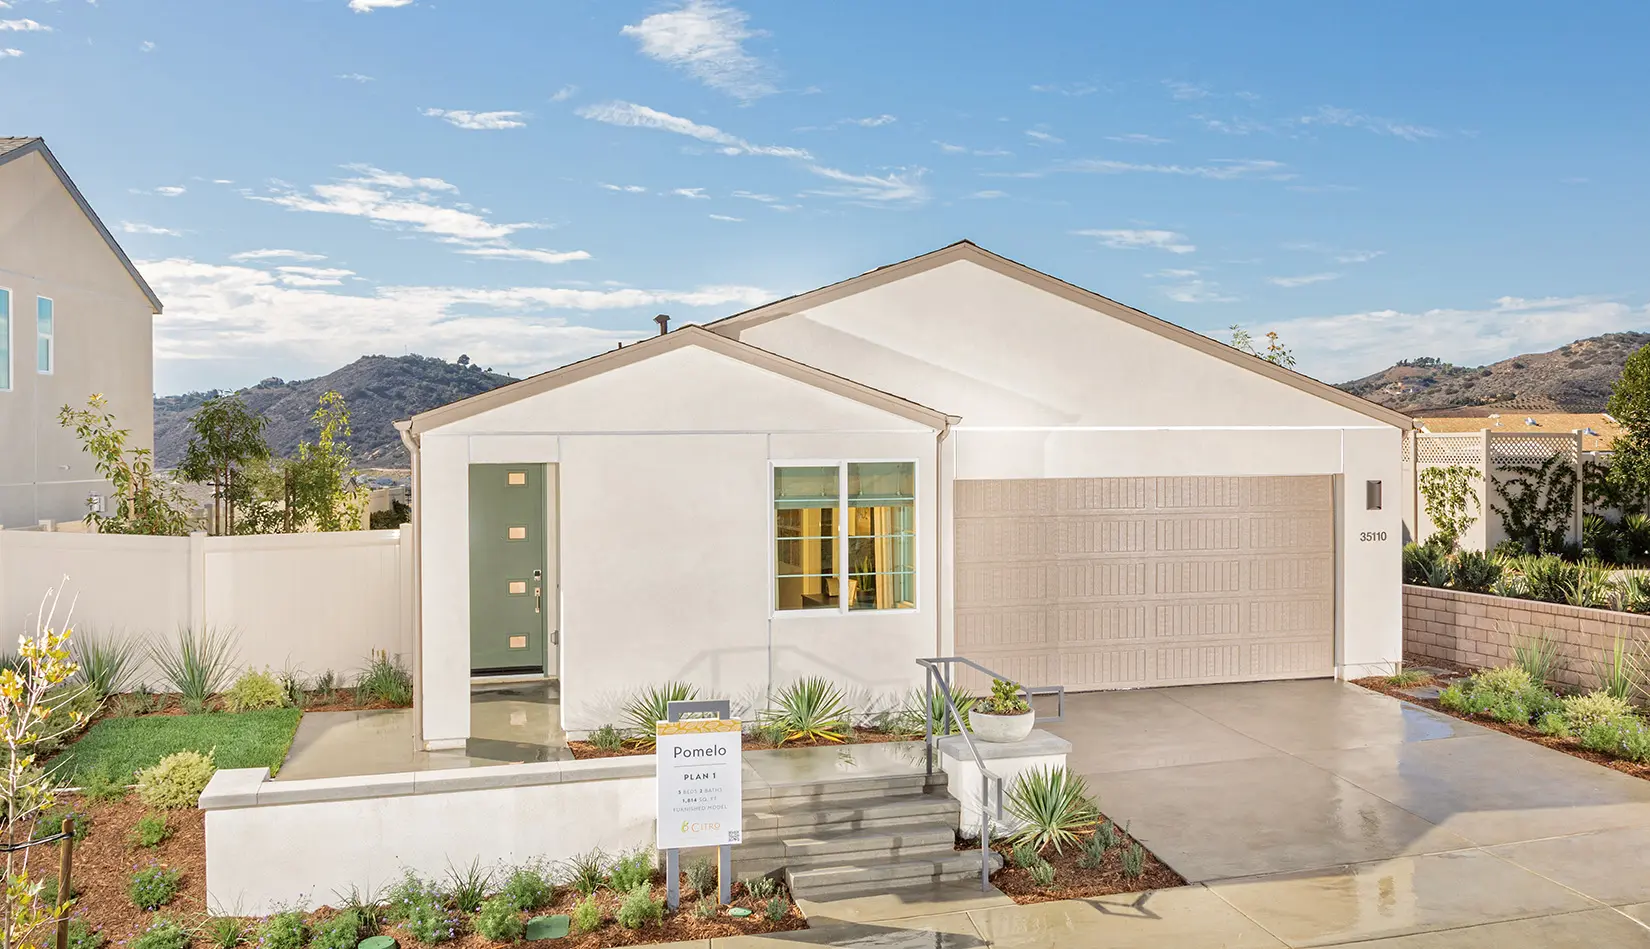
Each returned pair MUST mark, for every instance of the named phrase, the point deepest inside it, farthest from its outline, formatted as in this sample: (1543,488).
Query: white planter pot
(1003,729)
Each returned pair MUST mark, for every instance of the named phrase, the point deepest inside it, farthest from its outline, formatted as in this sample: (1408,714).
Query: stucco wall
(1479,630)
(309,601)
(103,344)
(664,534)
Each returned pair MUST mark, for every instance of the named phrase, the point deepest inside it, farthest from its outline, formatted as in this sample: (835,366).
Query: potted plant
(1004,717)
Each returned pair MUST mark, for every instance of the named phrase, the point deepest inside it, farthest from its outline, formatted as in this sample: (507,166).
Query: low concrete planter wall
(270,843)
(1477,629)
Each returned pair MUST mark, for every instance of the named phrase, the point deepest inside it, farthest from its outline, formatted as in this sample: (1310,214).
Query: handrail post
(928,715)
(985,832)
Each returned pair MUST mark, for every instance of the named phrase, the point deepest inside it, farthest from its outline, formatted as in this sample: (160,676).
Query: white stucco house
(952,455)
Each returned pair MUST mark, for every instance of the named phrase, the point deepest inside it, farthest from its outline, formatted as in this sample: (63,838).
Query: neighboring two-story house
(76,318)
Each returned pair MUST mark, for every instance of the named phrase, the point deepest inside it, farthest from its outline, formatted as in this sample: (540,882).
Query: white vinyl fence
(311,602)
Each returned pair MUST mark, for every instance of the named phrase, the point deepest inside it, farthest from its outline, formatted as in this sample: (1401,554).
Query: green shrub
(632,870)
(1134,861)
(429,921)
(48,891)
(586,916)
(528,887)
(1024,853)
(1006,699)
(1622,671)
(1582,712)
(366,905)
(1553,724)
(255,690)
(1453,697)
(408,892)
(163,932)
(1503,680)
(224,932)
(1549,577)
(468,885)
(639,908)
(1052,806)
(176,781)
(762,887)
(342,931)
(1041,873)
(607,738)
(499,920)
(1093,854)
(284,930)
(384,680)
(150,831)
(650,706)
(701,877)
(706,909)
(153,886)
(776,909)
(83,936)
(196,664)
(1625,737)
(586,872)
(99,785)
(1420,560)
(810,709)
(1471,571)
(51,823)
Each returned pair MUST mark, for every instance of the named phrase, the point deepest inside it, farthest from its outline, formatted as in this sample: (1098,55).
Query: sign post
(699,772)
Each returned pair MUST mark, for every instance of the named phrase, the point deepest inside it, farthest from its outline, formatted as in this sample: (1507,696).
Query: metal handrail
(933,674)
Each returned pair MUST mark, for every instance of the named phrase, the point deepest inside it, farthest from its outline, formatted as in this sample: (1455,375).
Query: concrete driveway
(1317,813)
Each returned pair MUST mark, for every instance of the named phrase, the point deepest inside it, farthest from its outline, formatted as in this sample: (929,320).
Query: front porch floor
(509,724)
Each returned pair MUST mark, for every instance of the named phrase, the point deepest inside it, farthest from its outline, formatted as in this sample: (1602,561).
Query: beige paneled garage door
(1108,583)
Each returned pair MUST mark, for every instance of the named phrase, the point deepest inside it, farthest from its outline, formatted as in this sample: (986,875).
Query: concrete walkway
(1313,814)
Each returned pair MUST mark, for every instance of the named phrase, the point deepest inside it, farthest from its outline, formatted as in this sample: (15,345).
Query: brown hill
(378,390)
(1573,378)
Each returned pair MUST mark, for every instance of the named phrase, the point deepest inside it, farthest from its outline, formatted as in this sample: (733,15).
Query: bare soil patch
(1073,881)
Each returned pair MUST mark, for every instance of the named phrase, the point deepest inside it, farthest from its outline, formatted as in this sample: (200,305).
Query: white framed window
(5,340)
(845,536)
(45,333)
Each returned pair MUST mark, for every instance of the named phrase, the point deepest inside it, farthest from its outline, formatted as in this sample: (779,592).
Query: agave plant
(1621,671)
(1538,656)
(1053,807)
(108,664)
(811,709)
(651,706)
(939,718)
(197,664)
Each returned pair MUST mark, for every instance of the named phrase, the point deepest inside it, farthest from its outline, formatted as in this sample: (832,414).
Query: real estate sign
(701,788)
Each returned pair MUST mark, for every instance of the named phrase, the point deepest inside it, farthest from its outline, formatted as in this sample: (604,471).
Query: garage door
(1108,583)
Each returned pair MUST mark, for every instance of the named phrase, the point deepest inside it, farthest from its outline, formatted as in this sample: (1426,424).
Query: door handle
(538,592)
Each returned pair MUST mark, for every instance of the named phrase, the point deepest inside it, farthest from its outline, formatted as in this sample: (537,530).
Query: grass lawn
(120,747)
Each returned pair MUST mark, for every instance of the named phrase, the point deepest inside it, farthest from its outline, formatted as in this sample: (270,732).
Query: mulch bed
(1527,732)
(861,736)
(1074,882)
(105,859)
(170,703)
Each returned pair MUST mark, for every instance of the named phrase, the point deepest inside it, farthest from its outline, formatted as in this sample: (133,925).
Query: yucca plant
(939,718)
(1548,577)
(1538,656)
(651,706)
(811,709)
(1619,675)
(197,664)
(1053,807)
(1590,585)
(108,664)
(1635,593)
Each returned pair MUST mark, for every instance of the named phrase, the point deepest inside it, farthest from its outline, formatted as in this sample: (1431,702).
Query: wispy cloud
(631,115)
(1302,280)
(165,191)
(480,121)
(23,26)
(628,189)
(1045,137)
(564,93)
(872,122)
(706,40)
(147,46)
(1219,169)
(1137,138)
(137,227)
(299,276)
(953,149)
(694,193)
(275,253)
(257,318)
(8,53)
(355,77)
(903,186)
(367,6)
(1185,91)
(396,200)
(988,195)
(1331,252)
(1358,256)
(1132,239)
(1346,118)
(1197,290)
(726,217)
(1067,88)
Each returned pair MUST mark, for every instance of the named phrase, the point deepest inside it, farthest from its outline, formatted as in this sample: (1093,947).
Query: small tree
(31,713)
(1630,405)
(144,503)
(225,438)
(1276,352)
(1447,494)
(321,480)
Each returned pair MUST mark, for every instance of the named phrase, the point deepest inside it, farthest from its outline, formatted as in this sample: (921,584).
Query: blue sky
(529,181)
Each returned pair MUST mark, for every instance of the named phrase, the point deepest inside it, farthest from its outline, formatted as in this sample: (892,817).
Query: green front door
(511,590)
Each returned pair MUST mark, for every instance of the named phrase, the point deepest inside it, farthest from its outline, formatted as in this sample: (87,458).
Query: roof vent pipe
(663,319)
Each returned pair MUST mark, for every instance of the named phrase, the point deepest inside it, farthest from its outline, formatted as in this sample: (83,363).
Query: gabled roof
(690,335)
(968,250)
(13,148)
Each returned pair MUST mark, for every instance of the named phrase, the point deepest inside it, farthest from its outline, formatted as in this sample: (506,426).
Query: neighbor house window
(45,329)
(845,536)
(5,339)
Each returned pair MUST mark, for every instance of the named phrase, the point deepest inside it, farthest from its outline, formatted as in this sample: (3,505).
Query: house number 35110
(1372,536)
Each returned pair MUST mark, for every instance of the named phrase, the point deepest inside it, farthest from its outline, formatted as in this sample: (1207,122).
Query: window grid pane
(45,329)
(5,340)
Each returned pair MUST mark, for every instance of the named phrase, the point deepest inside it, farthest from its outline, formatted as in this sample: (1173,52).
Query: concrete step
(770,822)
(819,848)
(785,795)
(881,875)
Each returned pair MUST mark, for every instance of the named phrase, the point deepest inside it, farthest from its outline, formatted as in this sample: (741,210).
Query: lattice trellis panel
(1433,450)
(1530,448)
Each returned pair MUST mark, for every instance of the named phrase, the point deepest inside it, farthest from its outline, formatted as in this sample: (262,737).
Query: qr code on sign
(733,836)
